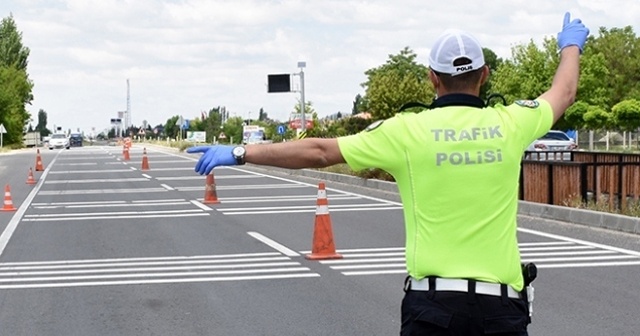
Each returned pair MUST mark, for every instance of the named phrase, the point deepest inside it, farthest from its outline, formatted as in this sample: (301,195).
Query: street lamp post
(303,123)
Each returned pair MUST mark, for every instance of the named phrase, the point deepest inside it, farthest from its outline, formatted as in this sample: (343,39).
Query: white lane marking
(245,187)
(101,191)
(556,248)
(155,275)
(15,220)
(147,176)
(395,265)
(135,262)
(79,203)
(201,206)
(78,164)
(161,281)
(288,199)
(402,271)
(578,241)
(148,269)
(116,180)
(66,219)
(172,169)
(554,243)
(133,168)
(352,261)
(305,211)
(571,253)
(332,206)
(198,177)
(152,212)
(153,157)
(525,260)
(593,264)
(67,172)
(372,249)
(108,205)
(275,245)
(3,265)
(159,200)
(167,187)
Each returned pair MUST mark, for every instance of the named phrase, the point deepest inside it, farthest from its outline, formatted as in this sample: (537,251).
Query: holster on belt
(529,273)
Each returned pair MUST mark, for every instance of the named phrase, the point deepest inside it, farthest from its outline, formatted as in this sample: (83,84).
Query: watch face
(238,151)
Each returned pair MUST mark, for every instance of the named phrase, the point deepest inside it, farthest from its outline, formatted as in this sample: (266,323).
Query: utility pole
(127,119)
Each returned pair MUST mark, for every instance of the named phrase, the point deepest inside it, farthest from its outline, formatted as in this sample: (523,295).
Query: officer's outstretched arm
(305,153)
(565,82)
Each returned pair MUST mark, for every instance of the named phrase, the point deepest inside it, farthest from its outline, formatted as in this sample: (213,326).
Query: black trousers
(457,313)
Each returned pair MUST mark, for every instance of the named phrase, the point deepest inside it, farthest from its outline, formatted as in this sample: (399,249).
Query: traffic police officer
(457,166)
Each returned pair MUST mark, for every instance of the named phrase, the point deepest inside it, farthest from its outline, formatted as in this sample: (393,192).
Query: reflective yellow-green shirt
(457,170)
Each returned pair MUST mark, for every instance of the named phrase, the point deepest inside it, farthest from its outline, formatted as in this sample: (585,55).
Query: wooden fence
(565,178)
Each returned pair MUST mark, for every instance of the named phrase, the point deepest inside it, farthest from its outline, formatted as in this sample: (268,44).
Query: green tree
(528,73)
(15,86)
(597,118)
(12,52)
(574,115)
(621,50)
(233,129)
(42,123)
(359,104)
(492,60)
(627,114)
(171,130)
(399,81)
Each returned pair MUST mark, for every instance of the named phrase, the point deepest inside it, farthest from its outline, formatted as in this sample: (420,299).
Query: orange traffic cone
(8,203)
(323,244)
(30,179)
(145,160)
(125,153)
(210,195)
(39,166)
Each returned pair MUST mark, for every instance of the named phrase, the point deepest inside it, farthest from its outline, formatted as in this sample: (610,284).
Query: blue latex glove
(573,33)
(213,156)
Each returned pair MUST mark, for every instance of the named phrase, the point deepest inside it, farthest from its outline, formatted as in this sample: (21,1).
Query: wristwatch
(238,154)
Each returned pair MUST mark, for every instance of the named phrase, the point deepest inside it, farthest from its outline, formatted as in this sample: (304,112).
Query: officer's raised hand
(573,33)
(213,156)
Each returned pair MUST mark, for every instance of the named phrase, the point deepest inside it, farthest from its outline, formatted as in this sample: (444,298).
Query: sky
(182,57)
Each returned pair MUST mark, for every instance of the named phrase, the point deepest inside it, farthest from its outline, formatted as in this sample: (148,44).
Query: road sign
(222,136)
(281,129)
(2,131)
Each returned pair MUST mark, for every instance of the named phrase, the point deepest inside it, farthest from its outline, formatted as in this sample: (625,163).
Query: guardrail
(561,178)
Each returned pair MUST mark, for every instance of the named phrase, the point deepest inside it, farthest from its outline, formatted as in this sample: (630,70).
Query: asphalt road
(99,247)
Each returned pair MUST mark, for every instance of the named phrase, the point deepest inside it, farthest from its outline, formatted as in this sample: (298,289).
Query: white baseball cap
(451,46)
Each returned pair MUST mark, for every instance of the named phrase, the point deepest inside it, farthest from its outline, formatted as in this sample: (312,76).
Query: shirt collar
(458,99)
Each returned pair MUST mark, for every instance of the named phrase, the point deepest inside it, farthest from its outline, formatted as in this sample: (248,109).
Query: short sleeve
(533,118)
(378,146)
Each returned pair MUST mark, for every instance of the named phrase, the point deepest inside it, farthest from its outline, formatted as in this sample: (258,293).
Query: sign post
(2,131)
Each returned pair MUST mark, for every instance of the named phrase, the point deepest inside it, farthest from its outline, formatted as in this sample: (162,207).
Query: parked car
(58,140)
(553,141)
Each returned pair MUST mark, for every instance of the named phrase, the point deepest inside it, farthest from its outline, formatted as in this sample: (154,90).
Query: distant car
(553,141)
(75,140)
(58,140)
